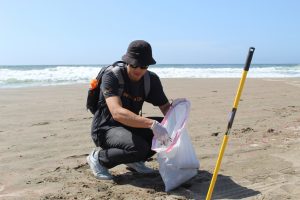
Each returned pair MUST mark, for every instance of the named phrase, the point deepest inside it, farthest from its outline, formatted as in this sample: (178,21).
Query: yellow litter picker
(230,122)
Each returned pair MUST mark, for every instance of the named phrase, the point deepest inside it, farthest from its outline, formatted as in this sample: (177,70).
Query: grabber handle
(249,58)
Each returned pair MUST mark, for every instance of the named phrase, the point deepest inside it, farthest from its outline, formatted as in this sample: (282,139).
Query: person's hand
(160,132)
(177,101)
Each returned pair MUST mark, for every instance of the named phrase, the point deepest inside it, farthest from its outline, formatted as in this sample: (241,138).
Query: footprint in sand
(78,156)
(40,124)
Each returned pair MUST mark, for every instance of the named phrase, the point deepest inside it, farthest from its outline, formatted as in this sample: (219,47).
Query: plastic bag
(177,161)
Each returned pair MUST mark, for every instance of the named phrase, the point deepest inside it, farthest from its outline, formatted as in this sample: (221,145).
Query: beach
(45,138)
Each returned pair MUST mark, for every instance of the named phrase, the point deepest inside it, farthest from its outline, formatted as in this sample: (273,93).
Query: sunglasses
(143,67)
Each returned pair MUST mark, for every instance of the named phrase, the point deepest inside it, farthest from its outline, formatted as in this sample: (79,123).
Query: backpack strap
(147,83)
(118,73)
(115,67)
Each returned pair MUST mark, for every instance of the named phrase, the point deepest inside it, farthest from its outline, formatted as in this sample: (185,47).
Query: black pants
(122,145)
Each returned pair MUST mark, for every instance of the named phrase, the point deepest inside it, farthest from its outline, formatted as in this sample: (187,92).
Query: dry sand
(45,138)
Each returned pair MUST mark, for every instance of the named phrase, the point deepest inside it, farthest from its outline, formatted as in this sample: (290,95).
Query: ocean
(44,75)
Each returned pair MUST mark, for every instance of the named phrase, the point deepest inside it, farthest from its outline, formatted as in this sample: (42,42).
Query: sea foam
(26,76)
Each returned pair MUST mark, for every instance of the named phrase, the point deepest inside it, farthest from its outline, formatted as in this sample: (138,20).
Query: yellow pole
(230,122)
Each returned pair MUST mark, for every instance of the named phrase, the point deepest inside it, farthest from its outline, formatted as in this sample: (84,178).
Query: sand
(45,138)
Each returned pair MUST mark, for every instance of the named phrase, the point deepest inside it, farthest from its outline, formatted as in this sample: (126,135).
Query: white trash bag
(177,161)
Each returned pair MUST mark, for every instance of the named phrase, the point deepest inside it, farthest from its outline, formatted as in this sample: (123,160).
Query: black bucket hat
(139,53)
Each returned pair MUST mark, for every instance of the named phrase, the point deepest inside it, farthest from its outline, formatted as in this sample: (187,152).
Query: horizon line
(155,64)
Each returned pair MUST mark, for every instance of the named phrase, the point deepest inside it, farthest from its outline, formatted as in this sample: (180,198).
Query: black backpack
(92,102)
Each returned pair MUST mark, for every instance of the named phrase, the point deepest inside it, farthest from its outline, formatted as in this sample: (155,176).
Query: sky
(50,32)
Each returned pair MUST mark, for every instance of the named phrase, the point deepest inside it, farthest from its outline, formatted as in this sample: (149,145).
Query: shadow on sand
(196,188)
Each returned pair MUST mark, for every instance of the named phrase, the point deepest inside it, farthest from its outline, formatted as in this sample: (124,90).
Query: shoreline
(190,78)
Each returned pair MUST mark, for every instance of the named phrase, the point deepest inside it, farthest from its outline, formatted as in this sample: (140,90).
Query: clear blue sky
(190,31)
